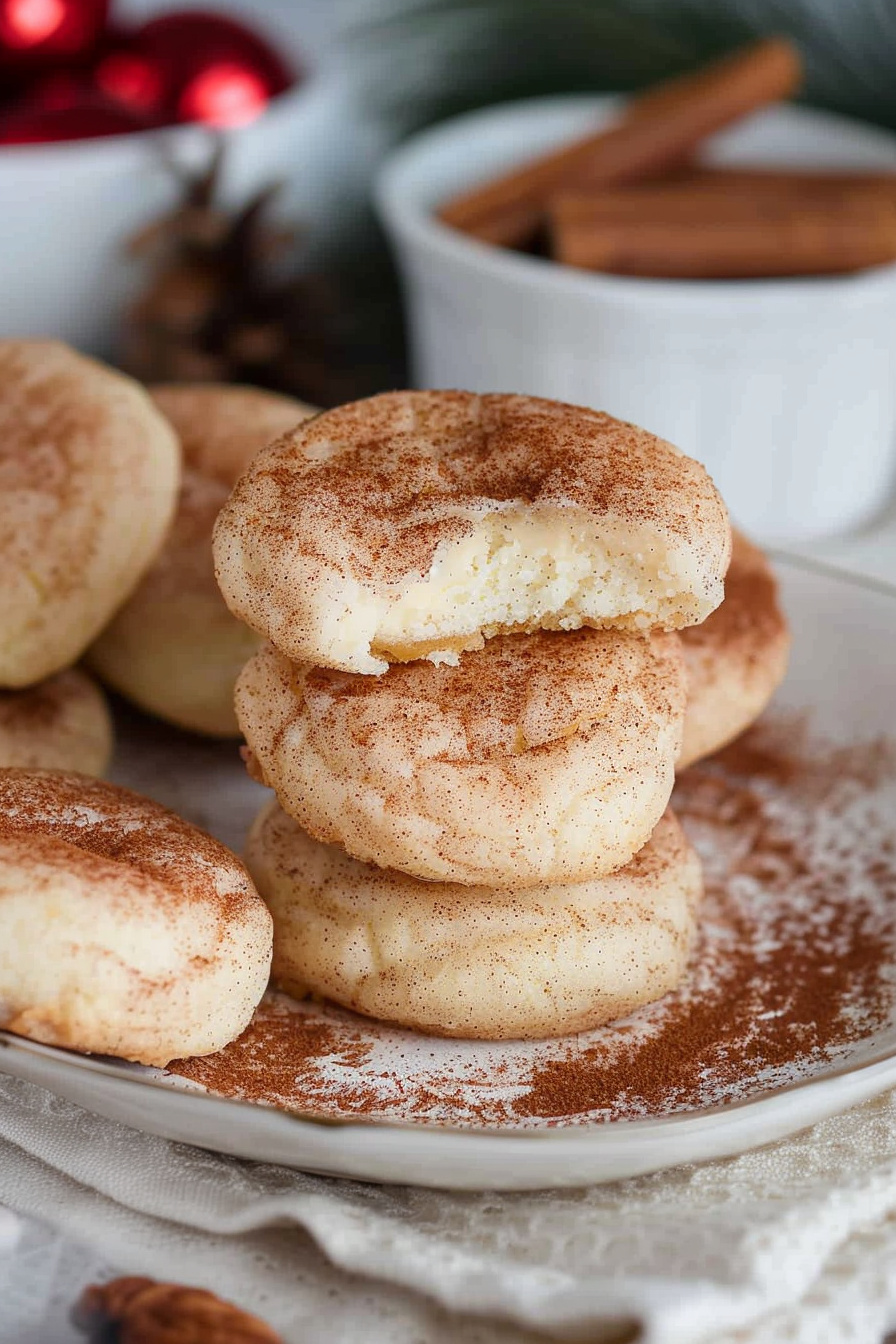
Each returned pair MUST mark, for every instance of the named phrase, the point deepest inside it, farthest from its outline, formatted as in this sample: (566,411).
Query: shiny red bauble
(225,93)
(66,74)
(223,74)
(35,33)
(133,79)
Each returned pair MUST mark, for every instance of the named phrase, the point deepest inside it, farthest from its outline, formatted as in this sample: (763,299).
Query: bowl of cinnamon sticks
(707,259)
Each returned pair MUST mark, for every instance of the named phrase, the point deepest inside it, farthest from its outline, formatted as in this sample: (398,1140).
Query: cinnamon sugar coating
(174,648)
(415,524)
(737,658)
(124,930)
(60,724)
(541,758)
(476,962)
(223,425)
(88,479)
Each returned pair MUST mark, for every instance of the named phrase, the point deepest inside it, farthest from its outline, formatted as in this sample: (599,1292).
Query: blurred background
(189,193)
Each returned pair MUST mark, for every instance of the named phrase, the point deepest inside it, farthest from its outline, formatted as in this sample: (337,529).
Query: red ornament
(65,75)
(224,94)
(30,126)
(132,79)
(56,93)
(40,32)
(219,72)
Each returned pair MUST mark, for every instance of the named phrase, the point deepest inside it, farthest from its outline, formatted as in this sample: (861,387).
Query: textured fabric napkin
(796,1241)
(9,1232)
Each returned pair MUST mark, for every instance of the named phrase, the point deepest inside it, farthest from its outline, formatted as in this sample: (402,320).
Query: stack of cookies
(471,705)
(464,683)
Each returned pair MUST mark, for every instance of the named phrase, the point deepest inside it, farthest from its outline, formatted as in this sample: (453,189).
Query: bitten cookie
(737,658)
(89,472)
(174,648)
(124,930)
(417,524)
(540,758)
(472,961)
(61,724)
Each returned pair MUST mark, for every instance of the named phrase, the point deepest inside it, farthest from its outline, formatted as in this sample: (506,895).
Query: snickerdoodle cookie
(60,724)
(124,930)
(174,648)
(737,658)
(540,758)
(415,524)
(89,471)
(473,961)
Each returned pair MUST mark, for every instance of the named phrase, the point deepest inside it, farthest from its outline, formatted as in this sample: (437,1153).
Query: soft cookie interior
(521,570)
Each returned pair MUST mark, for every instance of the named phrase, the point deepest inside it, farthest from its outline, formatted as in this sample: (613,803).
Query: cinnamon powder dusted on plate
(794,970)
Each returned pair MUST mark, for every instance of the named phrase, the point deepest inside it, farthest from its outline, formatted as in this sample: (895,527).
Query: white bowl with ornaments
(68,208)
(785,389)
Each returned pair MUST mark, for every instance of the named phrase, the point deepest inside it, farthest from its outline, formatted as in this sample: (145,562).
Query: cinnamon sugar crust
(541,758)
(123,929)
(88,479)
(476,962)
(60,724)
(737,658)
(174,648)
(415,523)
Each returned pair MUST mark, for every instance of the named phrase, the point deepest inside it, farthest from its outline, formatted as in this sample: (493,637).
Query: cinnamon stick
(659,131)
(673,232)
(799,183)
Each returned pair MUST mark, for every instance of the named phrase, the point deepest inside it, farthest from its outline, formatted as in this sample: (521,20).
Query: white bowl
(785,389)
(69,208)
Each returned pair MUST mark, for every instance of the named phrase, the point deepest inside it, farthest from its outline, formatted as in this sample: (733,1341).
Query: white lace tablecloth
(795,1242)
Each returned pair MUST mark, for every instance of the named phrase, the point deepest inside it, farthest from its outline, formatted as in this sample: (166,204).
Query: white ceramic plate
(843,674)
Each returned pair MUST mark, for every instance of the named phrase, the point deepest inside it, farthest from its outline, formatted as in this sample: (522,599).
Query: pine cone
(218,305)
(142,1311)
